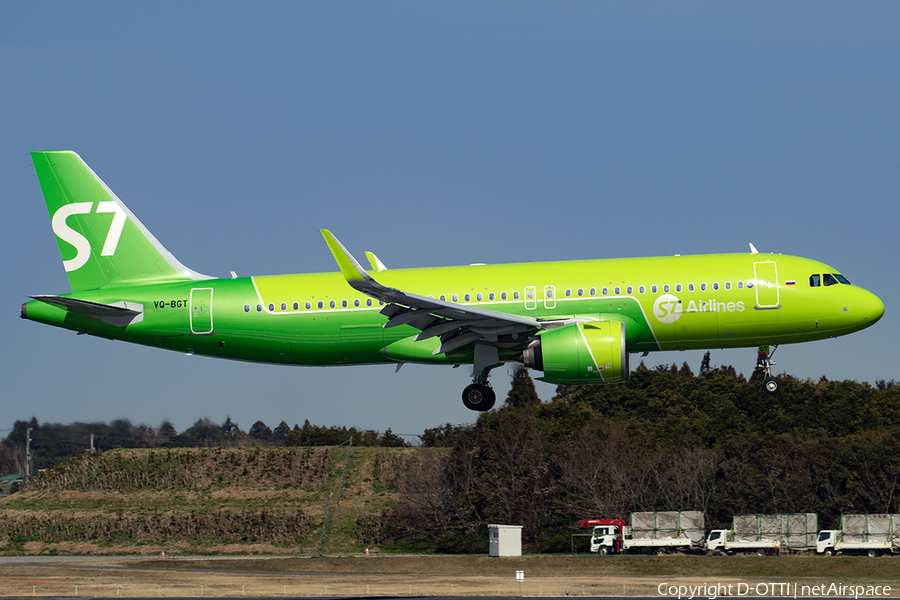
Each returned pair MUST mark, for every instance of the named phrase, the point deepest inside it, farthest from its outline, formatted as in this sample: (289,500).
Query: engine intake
(581,353)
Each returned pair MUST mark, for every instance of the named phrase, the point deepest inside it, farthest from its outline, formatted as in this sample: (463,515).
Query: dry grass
(433,575)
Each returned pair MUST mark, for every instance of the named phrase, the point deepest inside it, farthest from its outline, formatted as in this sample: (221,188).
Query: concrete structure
(505,540)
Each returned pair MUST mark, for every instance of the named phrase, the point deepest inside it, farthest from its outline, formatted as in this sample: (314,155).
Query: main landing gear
(479,395)
(764,364)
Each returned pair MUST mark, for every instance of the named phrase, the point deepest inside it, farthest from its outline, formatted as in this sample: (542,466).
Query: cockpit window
(815,280)
(841,278)
(829,279)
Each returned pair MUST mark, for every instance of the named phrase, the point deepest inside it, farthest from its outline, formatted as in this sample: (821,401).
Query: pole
(28,453)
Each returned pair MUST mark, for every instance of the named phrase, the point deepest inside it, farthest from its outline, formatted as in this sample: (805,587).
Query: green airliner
(577,321)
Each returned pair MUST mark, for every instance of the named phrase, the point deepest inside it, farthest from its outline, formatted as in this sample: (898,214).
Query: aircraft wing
(456,324)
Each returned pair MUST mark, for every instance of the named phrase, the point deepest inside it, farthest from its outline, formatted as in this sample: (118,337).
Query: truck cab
(825,543)
(605,539)
(716,539)
(606,536)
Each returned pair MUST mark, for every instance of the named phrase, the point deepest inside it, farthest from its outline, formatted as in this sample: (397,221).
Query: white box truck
(765,534)
(870,535)
(657,532)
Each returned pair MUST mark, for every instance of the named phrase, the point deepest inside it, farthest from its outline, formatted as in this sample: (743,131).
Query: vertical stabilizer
(101,242)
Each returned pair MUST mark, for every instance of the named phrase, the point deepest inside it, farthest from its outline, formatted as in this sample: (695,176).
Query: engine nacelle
(591,352)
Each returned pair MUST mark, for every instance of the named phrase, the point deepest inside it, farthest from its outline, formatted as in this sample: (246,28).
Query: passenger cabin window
(356,303)
(605,291)
(308,305)
(491,296)
(515,295)
(296,306)
(320,304)
(478,296)
(716,286)
(642,289)
(727,285)
(246,308)
(815,280)
(592,291)
(368,302)
(691,287)
(580,292)
(653,289)
(629,289)
(344,303)
(702,287)
(503,295)
(284,306)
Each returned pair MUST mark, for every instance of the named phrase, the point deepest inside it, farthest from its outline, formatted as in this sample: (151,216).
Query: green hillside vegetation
(666,440)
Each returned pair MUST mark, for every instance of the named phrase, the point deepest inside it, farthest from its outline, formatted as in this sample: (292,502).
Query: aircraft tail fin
(101,242)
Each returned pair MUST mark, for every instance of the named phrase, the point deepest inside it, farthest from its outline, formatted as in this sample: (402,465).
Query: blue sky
(438,134)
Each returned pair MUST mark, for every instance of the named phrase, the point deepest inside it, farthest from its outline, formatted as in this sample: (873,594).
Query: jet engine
(592,352)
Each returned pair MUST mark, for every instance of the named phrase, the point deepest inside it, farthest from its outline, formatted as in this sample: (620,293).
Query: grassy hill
(212,500)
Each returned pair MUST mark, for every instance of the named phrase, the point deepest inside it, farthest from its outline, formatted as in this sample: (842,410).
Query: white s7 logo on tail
(77,240)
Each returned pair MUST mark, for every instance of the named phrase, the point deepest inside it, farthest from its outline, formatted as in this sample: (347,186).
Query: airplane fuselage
(666,303)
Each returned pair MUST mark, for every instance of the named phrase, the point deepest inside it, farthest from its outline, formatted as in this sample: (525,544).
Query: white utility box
(505,540)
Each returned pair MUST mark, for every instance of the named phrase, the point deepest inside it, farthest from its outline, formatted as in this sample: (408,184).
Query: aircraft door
(766,284)
(530,297)
(549,296)
(201,311)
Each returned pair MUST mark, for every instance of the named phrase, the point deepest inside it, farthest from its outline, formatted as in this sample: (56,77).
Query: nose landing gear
(764,365)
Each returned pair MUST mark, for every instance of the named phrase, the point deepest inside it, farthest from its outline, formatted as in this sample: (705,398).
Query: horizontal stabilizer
(119,314)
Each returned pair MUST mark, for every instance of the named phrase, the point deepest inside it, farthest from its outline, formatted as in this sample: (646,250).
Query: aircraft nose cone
(874,308)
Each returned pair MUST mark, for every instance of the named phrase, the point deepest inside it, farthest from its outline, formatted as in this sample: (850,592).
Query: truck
(765,534)
(659,532)
(870,535)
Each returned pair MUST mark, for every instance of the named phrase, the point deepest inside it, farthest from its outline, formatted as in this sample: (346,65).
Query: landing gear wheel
(772,385)
(479,397)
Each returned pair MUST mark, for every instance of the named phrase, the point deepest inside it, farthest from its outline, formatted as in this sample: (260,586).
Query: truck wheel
(872,553)
(829,551)
(603,551)
(761,552)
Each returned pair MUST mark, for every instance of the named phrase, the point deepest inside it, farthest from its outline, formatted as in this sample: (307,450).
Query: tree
(261,432)
(282,431)
(390,440)
(522,393)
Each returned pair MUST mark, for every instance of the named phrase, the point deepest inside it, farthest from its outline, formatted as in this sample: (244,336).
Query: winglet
(377,265)
(350,269)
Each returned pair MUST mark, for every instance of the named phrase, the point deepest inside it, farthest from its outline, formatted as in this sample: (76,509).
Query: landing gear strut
(479,395)
(764,364)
